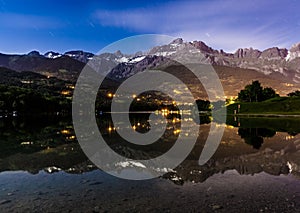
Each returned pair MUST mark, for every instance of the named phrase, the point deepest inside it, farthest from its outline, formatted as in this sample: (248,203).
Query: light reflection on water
(257,145)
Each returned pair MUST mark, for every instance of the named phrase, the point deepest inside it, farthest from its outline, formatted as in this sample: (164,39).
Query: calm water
(44,150)
(34,144)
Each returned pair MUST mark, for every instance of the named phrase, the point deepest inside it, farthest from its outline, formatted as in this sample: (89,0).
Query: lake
(256,166)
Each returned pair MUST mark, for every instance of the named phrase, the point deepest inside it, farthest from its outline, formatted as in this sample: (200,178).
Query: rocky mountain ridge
(270,61)
(274,67)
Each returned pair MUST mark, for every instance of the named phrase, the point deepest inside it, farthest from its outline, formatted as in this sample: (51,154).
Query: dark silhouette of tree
(26,101)
(203,105)
(255,93)
(269,93)
(255,136)
(294,94)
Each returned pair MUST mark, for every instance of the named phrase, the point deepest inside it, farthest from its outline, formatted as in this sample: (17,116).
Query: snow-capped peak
(293,53)
(122,59)
(52,55)
(129,59)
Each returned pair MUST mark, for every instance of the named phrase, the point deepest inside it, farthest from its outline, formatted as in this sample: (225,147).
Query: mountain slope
(62,67)
(274,67)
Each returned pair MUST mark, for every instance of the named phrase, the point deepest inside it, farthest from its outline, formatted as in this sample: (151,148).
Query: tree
(269,93)
(251,93)
(294,94)
(203,105)
(255,93)
(244,95)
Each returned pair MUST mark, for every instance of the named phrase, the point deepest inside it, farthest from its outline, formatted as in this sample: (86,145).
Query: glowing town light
(164,112)
(110,95)
(65,131)
(65,92)
(176,131)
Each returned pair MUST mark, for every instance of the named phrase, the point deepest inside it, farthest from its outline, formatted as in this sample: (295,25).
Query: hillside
(63,67)
(274,67)
(275,106)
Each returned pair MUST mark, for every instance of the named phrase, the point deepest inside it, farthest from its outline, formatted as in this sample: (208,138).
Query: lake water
(256,167)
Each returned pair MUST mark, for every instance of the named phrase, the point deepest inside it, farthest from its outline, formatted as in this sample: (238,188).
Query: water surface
(43,167)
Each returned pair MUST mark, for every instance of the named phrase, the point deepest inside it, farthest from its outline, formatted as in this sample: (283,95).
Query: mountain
(75,54)
(80,55)
(272,61)
(63,67)
(275,67)
(52,54)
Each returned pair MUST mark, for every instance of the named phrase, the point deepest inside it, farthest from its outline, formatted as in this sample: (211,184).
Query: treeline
(294,94)
(30,80)
(256,93)
(28,101)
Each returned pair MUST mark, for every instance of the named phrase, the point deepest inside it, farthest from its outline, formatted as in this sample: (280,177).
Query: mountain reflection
(50,144)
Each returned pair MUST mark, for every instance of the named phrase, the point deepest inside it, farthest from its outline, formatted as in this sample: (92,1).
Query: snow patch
(175,45)
(56,56)
(71,55)
(164,170)
(194,51)
(292,55)
(53,56)
(52,169)
(122,60)
(288,57)
(130,164)
(137,59)
(289,165)
(166,53)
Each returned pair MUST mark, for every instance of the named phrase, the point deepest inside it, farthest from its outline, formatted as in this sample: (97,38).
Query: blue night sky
(91,25)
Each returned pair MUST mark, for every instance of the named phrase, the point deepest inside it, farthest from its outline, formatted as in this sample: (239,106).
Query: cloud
(223,24)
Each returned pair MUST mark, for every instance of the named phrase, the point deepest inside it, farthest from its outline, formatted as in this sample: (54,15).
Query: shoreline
(264,115)
(98,192)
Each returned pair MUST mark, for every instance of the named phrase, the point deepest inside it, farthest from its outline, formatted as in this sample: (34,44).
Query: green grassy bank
(275,106)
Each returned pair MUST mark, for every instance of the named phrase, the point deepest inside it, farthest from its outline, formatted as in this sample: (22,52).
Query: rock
(297,144)
(231,196)
(295,48)
(2,202)
(216,207)
(95,183)
(247,53)
(290,148)
(177,41)
(268,150)
(274,53)
(203,47)
(96,209)
(294,52)
(34,53)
